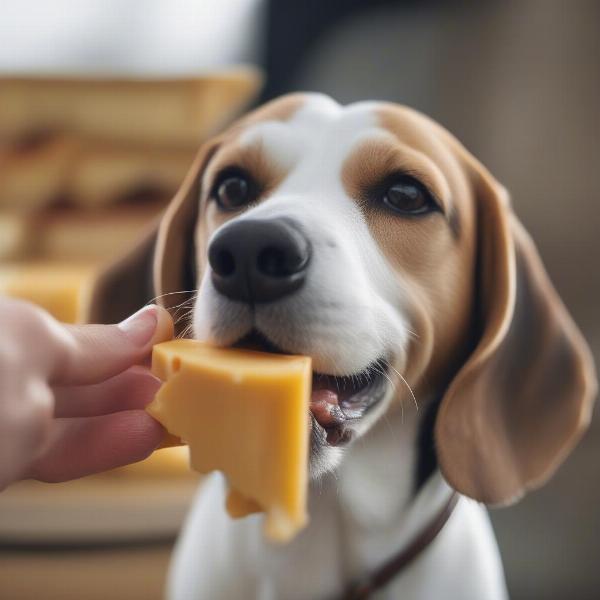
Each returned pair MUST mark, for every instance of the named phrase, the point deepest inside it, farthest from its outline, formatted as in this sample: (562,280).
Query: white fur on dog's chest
(357,521)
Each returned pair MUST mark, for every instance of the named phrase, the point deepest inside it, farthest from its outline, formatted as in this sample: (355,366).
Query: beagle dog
(367,237)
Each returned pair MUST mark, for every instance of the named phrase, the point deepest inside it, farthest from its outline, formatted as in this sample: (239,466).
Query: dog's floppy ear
(524,396)
(161,264)
(174,266)
(125,285)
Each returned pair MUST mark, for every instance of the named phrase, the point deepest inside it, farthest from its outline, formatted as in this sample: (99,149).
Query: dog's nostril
(259,260)
(223,263)
(273,262)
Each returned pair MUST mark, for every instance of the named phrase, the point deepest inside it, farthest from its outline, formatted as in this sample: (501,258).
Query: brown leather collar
(394,566)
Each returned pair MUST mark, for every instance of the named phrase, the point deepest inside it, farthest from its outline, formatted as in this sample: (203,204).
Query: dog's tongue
(332,400)
(328,393)
(323,405)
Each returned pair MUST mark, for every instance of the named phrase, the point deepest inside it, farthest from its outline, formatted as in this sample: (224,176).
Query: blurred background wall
(517,81)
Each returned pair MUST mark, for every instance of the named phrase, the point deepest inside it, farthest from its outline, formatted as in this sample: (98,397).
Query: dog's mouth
(336,402)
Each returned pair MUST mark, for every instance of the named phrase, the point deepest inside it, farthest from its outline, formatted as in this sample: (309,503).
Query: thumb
(93,353)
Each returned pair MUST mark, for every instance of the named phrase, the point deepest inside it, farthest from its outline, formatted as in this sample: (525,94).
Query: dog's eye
(233,191)
(409,197)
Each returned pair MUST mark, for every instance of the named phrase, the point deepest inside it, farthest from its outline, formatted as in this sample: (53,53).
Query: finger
(24,426)
(93,353)
(130,390)
(79,447)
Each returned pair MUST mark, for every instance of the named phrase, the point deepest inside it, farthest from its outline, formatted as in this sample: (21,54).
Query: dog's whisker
(185,317)
(185,333)
(192,298)
(179,317)
(181,305)
(407,385)
(412,334)
(153,300)
(378,370)
(391,382)
(176,309)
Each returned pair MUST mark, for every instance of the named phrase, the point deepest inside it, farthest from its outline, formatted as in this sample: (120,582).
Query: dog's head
(369,239)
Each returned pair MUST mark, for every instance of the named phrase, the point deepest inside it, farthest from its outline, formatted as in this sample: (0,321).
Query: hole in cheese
(244,413)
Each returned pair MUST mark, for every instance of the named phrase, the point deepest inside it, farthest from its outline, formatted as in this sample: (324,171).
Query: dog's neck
(360,515)
(374,491)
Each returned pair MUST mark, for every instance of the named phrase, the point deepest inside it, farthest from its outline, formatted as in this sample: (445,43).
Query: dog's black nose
(259,260)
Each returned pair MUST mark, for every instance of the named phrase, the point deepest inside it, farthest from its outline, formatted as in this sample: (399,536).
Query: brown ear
(174,263)
(524,397)
(161,264)
(125,285)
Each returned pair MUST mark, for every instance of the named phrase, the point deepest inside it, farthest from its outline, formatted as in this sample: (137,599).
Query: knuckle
(21,311)
(29,335)
(40,399)
(24,322)
(28,414)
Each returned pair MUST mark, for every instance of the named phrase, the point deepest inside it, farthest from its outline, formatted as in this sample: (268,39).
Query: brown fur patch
(280,109)
(250,158)
(374,160)
(435,255)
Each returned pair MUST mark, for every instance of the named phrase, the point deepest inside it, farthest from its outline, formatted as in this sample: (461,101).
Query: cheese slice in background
(244,413)
(61,288)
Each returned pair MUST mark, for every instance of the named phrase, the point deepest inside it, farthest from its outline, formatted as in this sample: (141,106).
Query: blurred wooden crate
(176,111)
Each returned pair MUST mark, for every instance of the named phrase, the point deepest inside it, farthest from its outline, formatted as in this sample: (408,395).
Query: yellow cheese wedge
(244,413)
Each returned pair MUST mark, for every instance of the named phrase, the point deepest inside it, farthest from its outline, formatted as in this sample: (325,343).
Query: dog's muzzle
(259,260)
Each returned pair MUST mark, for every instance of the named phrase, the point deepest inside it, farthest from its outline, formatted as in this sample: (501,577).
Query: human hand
(71,398)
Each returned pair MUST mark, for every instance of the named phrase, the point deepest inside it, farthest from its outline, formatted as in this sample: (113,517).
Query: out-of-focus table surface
(104,536)
(105,509)
(119,573)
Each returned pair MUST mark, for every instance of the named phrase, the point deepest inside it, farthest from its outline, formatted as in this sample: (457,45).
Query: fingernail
(140,326)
